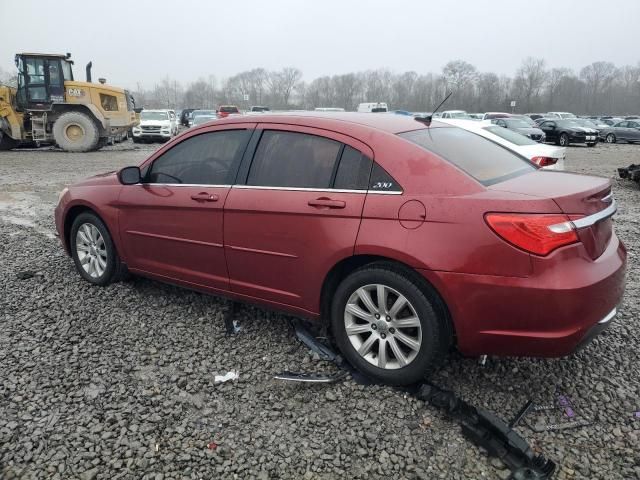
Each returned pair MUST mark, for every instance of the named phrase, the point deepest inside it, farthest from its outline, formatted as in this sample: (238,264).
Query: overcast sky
(144,41)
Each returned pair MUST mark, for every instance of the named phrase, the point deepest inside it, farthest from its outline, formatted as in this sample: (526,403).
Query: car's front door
(634,130)
(550,130)
(296,215)
(171,225)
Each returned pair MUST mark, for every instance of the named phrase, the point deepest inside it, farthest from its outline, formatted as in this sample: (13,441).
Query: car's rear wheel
(93,251)
(387,327)
(564,140)
(610,138)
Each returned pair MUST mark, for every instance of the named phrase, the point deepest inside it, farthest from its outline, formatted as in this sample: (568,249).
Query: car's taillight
(536,233)
(544,161)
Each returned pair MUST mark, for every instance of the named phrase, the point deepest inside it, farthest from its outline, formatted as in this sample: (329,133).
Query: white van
(373,107)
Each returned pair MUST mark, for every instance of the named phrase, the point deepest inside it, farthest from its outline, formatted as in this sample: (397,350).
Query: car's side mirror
(130,175)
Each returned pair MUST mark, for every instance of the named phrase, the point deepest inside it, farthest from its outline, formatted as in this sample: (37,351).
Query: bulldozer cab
(41,80)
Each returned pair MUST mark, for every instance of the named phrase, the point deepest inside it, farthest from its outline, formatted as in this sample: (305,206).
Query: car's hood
(585,129)
(163,123)
(107,178)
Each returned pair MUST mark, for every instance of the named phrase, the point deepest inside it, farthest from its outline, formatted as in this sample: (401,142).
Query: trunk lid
(578,196)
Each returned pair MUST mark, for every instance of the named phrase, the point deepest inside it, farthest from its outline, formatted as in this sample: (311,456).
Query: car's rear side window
(292,159)
(353,171)
(479,157)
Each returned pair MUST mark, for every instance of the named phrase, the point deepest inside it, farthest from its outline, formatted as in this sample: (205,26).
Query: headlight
(136,129)
(62,193)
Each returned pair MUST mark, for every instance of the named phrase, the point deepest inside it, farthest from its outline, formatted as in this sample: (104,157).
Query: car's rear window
(479,157)
(510,135)
(229,109)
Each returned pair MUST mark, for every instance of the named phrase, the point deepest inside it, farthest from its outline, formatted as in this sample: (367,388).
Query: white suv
(154,125)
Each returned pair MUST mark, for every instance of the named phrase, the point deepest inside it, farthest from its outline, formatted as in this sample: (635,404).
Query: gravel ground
(118,382)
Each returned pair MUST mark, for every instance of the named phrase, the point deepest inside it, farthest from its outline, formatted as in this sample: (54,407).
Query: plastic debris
(212,445)
(232,375)
(27,274)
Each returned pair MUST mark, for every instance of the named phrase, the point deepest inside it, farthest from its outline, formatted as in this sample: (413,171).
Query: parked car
(200,119)
(154,125)
(544,156)
(226,110)
(492,115)
(328,109)
(259,109)
(627,131)
(611,120)
(475,116)
(596,125)
(565,132)
(525,118)
(560,115)
(454,114)
(174,121)
(185,115)
(535,116)
(196,113)
(445,239)
(521,127)
(373,107)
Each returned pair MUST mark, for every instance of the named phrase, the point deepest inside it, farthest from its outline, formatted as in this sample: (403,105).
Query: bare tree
(597,77)
(459,73)
(530,79)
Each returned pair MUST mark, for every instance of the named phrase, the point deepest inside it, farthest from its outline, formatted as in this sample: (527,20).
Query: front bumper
(154,134)
(549,314)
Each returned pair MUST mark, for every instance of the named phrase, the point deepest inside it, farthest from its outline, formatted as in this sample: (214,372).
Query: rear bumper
(549,314)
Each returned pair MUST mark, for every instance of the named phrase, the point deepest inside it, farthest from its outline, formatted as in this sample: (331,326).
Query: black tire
(6,142)
(563,140)
(114,269)
(436,334)
(75,132)
(610,138)
(136,140)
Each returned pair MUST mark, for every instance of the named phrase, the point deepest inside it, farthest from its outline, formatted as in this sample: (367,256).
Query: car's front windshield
(154,115)
(458,115)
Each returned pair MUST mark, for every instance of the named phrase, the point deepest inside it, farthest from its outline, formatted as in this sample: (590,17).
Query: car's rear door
(296,213)
(171,224)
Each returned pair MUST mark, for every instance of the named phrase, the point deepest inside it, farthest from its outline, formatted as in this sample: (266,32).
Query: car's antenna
(427,118)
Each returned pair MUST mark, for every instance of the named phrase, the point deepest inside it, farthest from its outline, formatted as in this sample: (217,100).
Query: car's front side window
(207,159)
(293,159)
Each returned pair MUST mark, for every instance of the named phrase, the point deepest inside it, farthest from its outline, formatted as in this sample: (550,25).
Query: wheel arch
(96,117)
(73,212)
(347,265)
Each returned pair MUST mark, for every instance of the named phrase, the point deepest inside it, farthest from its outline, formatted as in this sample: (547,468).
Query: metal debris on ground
(560,415)
(231,325)
(632,172)
(27,274)
(232,375)
(480,426)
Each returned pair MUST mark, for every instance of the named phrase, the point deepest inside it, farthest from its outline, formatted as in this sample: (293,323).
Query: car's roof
(163,110)
(378,121)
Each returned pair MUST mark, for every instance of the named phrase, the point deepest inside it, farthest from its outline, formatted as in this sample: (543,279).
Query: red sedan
(406,238)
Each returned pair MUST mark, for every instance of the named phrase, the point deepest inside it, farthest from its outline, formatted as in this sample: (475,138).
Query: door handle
(205,197)
(326,203)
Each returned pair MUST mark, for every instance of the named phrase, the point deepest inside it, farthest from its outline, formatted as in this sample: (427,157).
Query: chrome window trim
(596,217)
(183,185)
(307,189)
(260,187)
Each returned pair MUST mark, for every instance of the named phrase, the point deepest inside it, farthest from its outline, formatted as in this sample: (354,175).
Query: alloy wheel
(91,250)
(383,326)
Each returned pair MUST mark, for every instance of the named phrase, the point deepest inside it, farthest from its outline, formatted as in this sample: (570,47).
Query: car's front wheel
(387,327)
(610,138)
(93,251)
(564,140)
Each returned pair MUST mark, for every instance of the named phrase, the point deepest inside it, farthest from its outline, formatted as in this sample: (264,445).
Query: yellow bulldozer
(50,106)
